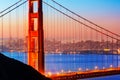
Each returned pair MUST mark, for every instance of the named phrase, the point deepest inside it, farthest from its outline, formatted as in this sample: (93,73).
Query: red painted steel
(35,37)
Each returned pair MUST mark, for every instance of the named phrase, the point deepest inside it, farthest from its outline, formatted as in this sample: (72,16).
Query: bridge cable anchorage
(10,6)
(80,21)
(85,19)
(13,9)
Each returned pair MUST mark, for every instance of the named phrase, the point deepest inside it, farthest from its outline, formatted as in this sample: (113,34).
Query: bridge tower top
(35,36)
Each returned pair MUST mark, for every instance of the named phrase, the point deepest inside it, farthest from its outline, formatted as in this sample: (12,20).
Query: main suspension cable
(10,6)
(80,22)
(13,9)
(84,18)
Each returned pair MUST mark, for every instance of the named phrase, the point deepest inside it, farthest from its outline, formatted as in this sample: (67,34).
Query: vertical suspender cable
(47,30)
(24,31)
(96,49)
(79,48)
(90,46)
(23,26)
(2,33)
(112,52)
(117,52)
(101,50)
(85,19)
(10,38)
(17,31)
(54,32)
(73,26)
(61,32)
(107,52)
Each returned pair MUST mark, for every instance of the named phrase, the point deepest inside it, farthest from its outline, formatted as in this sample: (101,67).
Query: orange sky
(56,25)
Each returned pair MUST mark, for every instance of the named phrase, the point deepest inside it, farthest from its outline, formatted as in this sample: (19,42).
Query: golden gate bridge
(46,27)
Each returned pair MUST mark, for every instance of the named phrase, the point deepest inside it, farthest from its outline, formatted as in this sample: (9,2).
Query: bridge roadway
(87,74)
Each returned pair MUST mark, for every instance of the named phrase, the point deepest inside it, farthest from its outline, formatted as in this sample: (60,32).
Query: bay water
(55,63)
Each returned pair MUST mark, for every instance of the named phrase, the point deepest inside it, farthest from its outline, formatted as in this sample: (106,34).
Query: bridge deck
(87,74)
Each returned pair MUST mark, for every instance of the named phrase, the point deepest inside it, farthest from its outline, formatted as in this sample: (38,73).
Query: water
(73,62)
(57,62)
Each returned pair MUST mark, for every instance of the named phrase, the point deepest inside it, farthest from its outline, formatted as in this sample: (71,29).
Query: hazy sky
(105,13)
(5,3)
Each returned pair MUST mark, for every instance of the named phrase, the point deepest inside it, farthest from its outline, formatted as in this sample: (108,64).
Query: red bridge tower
(36,36)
